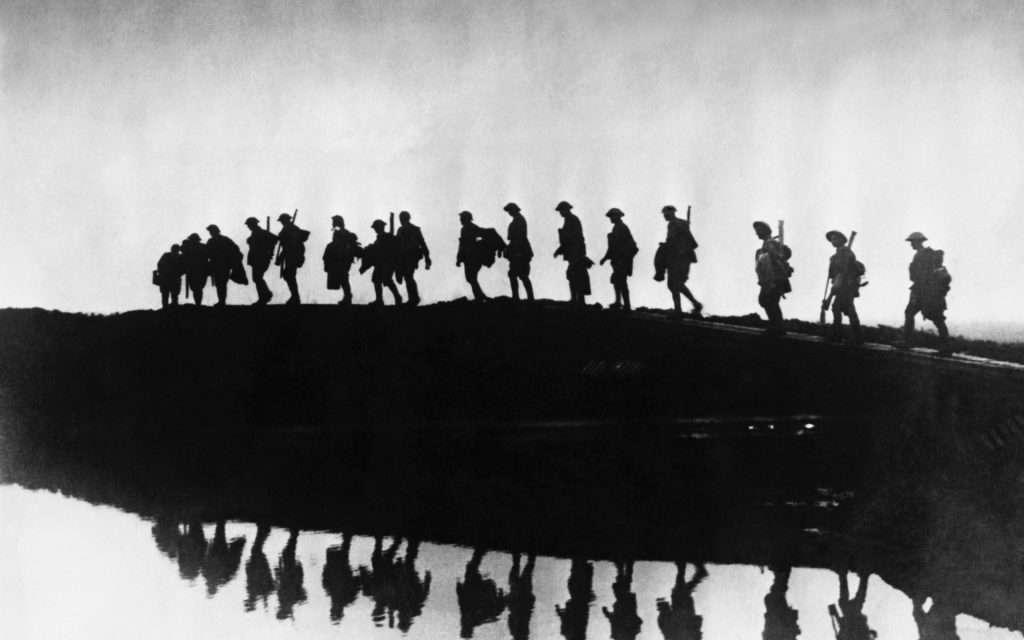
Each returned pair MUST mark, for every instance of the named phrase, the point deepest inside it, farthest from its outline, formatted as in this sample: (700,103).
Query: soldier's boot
(697,306)
(529,289)
(413,290)
(618,299)
(945,344)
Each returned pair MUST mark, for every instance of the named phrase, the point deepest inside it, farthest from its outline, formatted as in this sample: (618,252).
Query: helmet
(251,220)
(762,228)
(614,213)
(835,235)
(465,215)
(284,217)
(338,220)
(510,207)
(378,225)
(213,228)
(403,216)
(917,235)
(668,209)
(563,206)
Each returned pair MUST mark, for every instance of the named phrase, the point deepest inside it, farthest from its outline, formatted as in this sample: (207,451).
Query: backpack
(490,244)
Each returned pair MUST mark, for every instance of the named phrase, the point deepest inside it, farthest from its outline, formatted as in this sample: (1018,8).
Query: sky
(128,125)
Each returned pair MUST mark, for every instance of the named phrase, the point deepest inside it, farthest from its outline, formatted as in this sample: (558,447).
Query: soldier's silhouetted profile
(340,581)
(848,619)
(780,619)
(225,257)
(520,597)
(289,575)
(576,613)
(470,256)
(519,252)
(938,623)
(844,272)
(194,262)
(261,253)
(930,284)
(623,617)
(772,268)
(621,251)
(259,580)
(223,558)
(411,248)
(339,255)
(674,258)
(480,599)
(169,269)
(292,254)
(380,256)
(677,618)
(573,248)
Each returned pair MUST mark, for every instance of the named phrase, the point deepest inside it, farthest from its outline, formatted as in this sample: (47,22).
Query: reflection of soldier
(621,250)
(520,597)
(623,617)
(259,581)
(193,261)
(780,619)
(412,590)
(339,255)
(845,277)
(675,256)
(519,252)
(411,248)
(340,581)
(469,256)
(773,271)
(261,252)
(380,581)
(678,620)
(222,559)
(380,255)
(169,269)
(480,599)
(939,623)
(165,534)
(292,254)
(191,550)
(930,284)
(224,256)
(575,615)
(848,619)
(289,576)
(573,248)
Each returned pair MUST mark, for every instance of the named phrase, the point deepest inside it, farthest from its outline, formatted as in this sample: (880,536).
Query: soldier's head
(214,230)
(403,217)
(337,222)
(763,230)
(194,237)
(512,208)
(465,217)
(175,249)
(668,211)
(614,214)
(563,208)
(379,226)
(284,218)
(916,240)
(252,222)
(836,238)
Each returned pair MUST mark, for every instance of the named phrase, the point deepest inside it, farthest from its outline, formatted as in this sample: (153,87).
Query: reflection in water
(412,590)
(340,581)
(678,619)
(259,581)
(780,619)
(623,616)
(191,549)
(576,613)
(520,596)
(938,623)
(848,619)
(394,584)
(222,559)
(289,574)
(480,599)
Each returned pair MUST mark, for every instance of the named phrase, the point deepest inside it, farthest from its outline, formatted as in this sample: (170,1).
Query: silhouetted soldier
(259,580)
(573,248)
(939,623)
(224,256)
(380,255)
(575,615)
(773,271)
(222,559)
(679,620)
(675,256)
(928,291)
(519,252)
(289,576)
(411,248)
(844,272)
(339,255)
(261,253)
(780,619)
(623,617)
(194,262)
(469,256)
(191,550)
(412,590)
(340,581)
(169,270)
(520,597)
(292,254)
(480,599)
(848,619)
(621,250)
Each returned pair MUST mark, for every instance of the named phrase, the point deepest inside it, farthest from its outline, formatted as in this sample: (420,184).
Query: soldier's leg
(378,291)
(677,305)
(697,306)
(913,306)
(625,295)
(393,288)
(617,288)
(220,281)
(528,286)
(346,289)
(289,275)
(412,288)
(472,272)
(197,291)
(514,283)
(851,313)
(165,295)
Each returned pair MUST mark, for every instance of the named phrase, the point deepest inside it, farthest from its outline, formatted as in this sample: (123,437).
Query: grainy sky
(128,125)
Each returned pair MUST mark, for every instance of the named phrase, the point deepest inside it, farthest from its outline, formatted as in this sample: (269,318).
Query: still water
(71,569)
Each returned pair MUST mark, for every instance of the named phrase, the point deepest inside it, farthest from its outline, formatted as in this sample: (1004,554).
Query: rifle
(687,214)
(391,223)
(827,295)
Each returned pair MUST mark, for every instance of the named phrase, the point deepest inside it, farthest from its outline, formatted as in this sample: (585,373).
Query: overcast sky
(128,125)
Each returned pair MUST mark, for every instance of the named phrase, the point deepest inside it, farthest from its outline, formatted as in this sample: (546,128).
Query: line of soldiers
(395,255)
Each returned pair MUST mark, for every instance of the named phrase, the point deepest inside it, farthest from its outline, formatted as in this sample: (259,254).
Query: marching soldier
(469,255)
(844,272)
(621,250)
(411,248)
(291,254)
(677,253)
(194,263)
(928,291)
(261,252)
(224,255)
(169,270)
(380,255)
(573,248)
(519,252)
(773,272)
(339,255)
